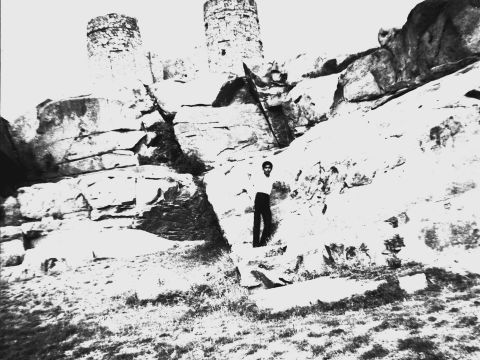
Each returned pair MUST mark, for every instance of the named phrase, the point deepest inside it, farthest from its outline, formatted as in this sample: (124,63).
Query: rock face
(407,171)
(79,135)
(437,39)
(13,172)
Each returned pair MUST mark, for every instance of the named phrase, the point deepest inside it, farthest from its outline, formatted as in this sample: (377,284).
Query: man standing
(262,186)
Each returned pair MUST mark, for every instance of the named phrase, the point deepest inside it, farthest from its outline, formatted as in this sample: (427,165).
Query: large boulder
(79,135)
(86,241)
(11,253)
(76,117)
(368,78)
(439,37)
(220,135)
(436,32)
(309,102)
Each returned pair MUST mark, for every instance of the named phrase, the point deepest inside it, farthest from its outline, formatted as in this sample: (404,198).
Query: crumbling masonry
(115,50)
(233,35)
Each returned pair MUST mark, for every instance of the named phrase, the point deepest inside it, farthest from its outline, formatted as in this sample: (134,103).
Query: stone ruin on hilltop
(379,156)
(118,58)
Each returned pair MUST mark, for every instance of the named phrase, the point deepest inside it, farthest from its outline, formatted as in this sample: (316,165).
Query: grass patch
(165,350)
(207,253)
(356,343)
(400,320)
(422,346)
(376,352)
(23,335)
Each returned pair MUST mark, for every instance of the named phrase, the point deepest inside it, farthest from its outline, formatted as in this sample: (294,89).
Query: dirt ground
(93,312)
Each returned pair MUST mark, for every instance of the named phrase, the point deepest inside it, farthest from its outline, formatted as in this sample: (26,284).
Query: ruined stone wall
(115,51)
(233,35)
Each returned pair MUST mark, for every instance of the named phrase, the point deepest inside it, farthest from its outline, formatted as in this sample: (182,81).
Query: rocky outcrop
(407,171)
(369,77)
(189,218)
(309,65)
(439,37)
(154,198)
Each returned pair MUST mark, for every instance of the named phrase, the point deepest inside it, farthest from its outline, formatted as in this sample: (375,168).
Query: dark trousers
(262,208)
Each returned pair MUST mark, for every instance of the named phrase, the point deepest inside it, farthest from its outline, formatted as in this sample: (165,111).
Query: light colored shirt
(262,184)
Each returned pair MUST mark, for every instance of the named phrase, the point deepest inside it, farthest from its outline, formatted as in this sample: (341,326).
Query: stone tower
(233,35)
(115,51)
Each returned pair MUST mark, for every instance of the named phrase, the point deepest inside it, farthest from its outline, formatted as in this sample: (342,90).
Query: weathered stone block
(217,135)
(11,253)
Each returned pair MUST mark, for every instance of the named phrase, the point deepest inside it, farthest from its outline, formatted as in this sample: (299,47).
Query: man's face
(267,169)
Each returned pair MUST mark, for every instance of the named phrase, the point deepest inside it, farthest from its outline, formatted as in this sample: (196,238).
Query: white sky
(43,42)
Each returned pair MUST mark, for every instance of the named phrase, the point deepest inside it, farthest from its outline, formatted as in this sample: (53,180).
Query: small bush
(467,321)
(317,350)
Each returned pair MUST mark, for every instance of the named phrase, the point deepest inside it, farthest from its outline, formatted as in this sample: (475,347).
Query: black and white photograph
(239,179)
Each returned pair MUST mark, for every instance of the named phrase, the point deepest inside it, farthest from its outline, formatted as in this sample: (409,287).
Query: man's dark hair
(267,163)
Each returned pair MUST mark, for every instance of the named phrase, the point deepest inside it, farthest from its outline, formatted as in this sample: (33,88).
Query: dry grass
(92,313)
